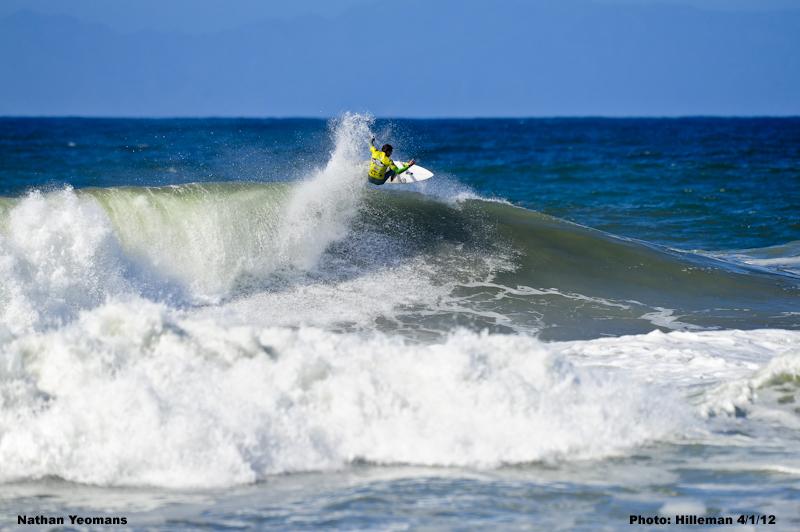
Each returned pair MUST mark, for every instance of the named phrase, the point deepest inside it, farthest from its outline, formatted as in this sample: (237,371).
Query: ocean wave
(331,251)
(776,383)
(137,393)
(504,266)
(134,393)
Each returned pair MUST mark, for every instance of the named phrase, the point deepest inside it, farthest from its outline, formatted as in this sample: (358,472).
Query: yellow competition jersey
(380,163)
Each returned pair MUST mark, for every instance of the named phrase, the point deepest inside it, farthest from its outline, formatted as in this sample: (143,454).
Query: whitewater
(317,339)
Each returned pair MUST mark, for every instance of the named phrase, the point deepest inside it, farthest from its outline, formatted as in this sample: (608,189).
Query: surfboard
(415,174)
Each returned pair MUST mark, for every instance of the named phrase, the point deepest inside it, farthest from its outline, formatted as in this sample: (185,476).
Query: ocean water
(219,323)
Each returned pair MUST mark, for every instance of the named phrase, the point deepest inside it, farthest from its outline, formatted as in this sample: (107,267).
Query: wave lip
(783,258)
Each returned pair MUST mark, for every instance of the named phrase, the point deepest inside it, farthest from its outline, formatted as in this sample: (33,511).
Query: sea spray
(213,237)
(59,254)
(67,250)
(321,208)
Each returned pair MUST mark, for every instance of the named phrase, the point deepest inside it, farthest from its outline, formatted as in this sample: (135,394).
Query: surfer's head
(387,149)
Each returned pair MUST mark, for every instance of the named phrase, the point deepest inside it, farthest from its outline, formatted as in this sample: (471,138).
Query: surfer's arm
(399,171)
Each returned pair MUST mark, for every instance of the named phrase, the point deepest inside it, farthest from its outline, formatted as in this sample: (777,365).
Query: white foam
(727,367)
(58,254)
(740,394)
(664,317)
(682,506)
(684,358)
(133,393)
(350,301)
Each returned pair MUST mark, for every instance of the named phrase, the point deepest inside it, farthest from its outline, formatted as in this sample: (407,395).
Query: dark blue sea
(219,323)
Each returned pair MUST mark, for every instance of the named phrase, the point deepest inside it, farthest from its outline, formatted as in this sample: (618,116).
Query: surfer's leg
(382,180)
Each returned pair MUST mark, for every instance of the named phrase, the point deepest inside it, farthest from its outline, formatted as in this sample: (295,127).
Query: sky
(199,16)
(417,58)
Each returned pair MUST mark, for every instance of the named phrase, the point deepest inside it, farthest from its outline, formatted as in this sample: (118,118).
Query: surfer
(381,166)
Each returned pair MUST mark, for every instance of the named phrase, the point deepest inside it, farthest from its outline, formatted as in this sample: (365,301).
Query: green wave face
(436,264)
(569,281)
(203,236)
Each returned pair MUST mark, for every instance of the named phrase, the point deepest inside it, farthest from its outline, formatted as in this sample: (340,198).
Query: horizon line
(333,117)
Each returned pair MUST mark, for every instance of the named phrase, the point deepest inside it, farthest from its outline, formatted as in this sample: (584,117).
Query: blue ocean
(219,323)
